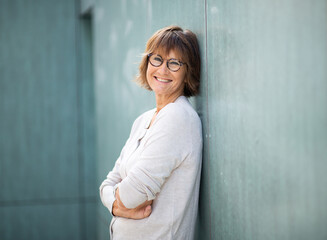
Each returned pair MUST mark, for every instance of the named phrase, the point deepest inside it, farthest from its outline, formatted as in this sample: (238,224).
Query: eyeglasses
(172,64)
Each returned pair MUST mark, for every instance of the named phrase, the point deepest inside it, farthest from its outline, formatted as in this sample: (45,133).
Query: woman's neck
(162,101)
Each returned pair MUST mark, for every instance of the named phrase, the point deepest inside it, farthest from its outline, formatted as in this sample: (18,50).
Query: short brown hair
(186,44)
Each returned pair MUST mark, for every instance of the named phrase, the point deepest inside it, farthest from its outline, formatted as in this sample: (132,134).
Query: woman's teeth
(163,80)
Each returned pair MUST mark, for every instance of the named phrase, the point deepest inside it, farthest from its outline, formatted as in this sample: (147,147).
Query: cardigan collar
(153,111)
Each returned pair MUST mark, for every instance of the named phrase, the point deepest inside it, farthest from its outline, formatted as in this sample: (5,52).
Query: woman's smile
(163,80)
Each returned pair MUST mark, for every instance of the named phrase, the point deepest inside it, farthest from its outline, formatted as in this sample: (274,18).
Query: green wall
(266,95)
(47,151)
(67,102)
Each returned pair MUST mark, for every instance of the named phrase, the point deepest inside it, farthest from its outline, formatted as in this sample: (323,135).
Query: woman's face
(164,82)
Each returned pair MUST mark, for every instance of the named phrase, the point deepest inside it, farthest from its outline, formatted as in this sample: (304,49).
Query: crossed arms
(166,147)
(142,211)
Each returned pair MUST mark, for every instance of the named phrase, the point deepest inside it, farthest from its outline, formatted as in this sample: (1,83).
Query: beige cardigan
(161,163)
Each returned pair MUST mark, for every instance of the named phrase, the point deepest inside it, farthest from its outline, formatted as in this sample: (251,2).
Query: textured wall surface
(262,104)
(47,165)
(267,120)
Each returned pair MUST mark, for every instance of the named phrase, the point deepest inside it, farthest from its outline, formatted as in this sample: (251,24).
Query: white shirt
(161,163)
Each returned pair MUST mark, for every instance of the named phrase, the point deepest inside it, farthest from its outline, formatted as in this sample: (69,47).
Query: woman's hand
(142,211)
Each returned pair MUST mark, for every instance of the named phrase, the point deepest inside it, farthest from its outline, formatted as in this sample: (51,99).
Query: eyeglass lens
(172,64)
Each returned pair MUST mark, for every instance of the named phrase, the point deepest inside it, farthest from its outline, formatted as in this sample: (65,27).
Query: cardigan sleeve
(109,185)
(166,147)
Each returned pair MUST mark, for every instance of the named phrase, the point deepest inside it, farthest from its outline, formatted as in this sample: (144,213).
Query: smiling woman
(185,45)
(152,192)
(167,84)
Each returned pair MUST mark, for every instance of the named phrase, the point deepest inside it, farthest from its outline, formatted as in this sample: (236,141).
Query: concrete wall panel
(267,124)
(40,222)
(47,162)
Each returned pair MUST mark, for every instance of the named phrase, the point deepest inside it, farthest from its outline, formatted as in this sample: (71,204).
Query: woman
(152,191)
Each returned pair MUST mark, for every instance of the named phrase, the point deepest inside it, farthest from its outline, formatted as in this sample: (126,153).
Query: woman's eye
(175,63)
(157,59)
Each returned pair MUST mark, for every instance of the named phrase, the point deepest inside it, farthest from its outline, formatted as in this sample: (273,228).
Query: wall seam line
(207,108)
(80,155)
(43,202)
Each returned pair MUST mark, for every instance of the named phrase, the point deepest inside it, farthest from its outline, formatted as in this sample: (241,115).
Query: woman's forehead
(168,53)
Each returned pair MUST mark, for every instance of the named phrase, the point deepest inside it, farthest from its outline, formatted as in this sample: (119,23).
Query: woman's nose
(163,68)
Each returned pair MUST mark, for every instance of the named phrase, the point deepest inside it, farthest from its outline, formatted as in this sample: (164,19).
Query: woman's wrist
(114,208)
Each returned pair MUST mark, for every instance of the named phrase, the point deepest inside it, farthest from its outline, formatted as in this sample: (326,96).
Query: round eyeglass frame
(167,62)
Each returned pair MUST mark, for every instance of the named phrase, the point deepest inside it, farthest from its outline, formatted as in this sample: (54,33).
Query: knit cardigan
(160,163)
